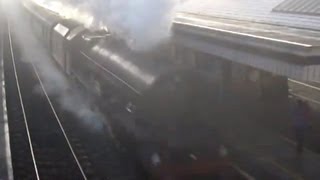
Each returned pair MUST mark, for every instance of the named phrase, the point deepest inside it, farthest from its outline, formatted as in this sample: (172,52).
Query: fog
(54,80)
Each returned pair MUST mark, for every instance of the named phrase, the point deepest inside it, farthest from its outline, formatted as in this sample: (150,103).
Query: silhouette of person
(301,120)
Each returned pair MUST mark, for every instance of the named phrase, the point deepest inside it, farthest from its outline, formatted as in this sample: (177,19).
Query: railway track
(40,146)
(48,142)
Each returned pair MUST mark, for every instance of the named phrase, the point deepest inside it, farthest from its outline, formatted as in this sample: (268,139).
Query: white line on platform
(306,98)
(282,168)
(242,172)
(5,116)
(304,84)
(292,142)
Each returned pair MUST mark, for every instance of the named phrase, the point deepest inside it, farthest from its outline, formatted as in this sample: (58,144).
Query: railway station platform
(259,150)
(264,35)
(6,172)
(263,153)
(253,34)
(310,93)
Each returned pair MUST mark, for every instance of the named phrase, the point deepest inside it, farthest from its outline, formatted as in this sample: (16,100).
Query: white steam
(55,82)
(143,24)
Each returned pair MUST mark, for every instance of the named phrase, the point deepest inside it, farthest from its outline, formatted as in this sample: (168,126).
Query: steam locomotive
(158,106)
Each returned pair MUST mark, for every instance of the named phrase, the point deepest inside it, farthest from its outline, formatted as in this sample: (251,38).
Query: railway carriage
(42,22)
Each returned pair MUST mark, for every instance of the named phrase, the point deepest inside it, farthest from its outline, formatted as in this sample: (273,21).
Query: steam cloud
(55,82)
(143,24)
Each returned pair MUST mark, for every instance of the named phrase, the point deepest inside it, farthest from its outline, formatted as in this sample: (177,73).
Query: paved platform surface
(263,152)
(310,92)
(6,172)
(276,155)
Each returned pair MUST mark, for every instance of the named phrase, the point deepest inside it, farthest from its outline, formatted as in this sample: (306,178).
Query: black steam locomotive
(156,105)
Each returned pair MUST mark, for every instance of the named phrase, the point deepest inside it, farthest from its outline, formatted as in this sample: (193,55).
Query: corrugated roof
(309,7)
(251,10)
(307,42)
(235,30)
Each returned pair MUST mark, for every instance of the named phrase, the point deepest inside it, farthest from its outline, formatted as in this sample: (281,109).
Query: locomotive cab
(58,42)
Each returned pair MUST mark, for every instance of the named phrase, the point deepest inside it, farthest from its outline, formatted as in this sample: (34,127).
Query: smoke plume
(54,81)
(143,24)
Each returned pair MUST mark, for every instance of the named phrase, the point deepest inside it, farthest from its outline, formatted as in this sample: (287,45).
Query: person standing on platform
(301,123)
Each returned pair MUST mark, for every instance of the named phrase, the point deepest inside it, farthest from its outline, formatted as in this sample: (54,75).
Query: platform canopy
(264,34)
